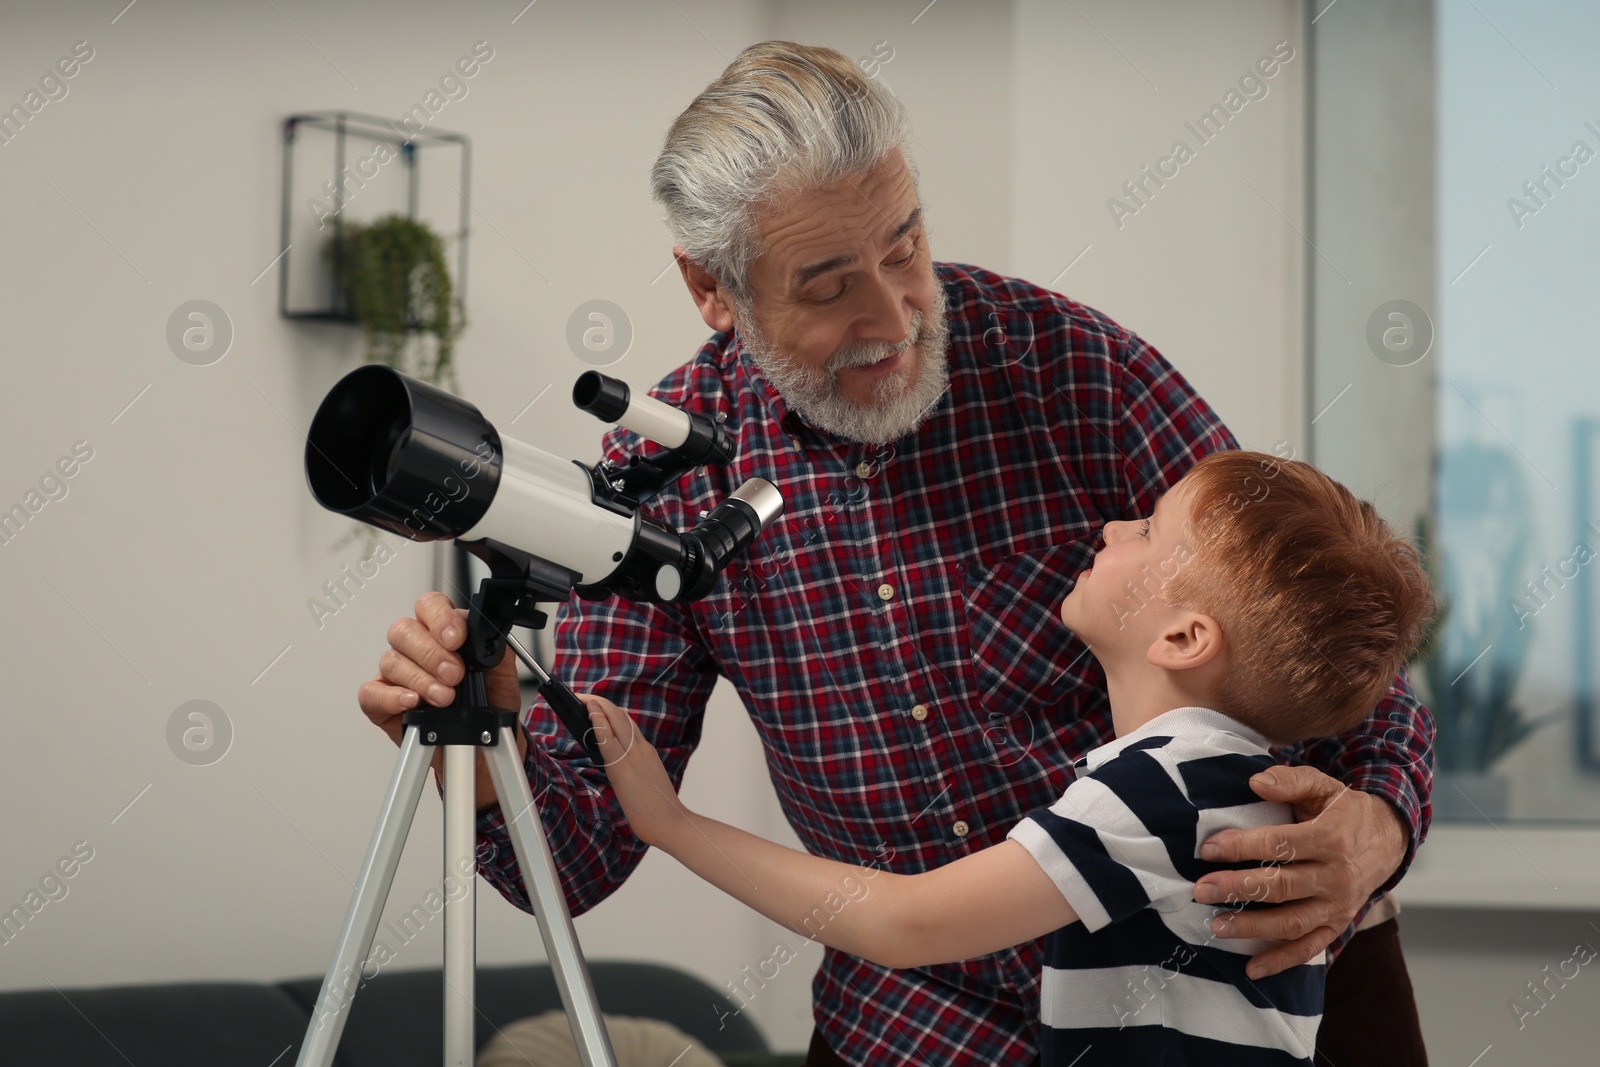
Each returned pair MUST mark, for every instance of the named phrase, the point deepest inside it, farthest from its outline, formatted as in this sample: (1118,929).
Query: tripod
(509,597)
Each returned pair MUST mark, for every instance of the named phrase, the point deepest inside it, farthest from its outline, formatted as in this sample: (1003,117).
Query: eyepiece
(724,533)
(610,400)
(605,398)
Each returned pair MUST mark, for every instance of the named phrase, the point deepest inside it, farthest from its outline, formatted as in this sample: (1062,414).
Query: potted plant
(1469,674)
(395,281)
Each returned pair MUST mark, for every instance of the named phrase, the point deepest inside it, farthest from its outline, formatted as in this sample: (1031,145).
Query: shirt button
(919,712)
(885,591)
(960,828)
(863,470)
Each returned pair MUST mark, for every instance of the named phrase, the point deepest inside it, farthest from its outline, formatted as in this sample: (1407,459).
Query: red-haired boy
(1260,604)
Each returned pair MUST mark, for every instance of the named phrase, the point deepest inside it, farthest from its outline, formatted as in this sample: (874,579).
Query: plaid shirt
(895,638)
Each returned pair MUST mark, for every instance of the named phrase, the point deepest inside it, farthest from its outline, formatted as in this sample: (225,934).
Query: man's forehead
(834,224)
(839,247)
(829,226)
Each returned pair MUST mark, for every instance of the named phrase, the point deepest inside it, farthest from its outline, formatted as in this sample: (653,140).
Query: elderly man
(948,442)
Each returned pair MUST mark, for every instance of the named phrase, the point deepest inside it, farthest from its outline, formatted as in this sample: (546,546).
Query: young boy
(1260,604)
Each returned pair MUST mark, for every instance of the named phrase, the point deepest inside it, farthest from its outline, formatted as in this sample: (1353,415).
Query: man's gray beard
(895,408)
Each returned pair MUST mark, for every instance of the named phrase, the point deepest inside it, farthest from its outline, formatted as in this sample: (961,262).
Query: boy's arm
(982,903)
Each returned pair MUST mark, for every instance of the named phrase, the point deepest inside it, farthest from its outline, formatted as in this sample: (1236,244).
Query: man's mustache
(873,351)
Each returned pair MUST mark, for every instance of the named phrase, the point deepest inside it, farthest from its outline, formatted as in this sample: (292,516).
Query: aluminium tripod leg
(460,918)
(549,903)
(366,902)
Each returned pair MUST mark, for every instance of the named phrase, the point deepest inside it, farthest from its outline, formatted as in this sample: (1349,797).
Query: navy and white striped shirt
(1141,978)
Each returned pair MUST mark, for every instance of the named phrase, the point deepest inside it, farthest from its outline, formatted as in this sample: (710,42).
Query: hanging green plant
(397,283)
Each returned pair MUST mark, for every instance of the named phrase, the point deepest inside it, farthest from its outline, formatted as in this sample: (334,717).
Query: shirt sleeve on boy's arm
(647,658)
(1107,863)
(1390,754)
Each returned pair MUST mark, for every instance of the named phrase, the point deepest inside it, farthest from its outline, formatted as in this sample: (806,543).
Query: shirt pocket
(1025,662)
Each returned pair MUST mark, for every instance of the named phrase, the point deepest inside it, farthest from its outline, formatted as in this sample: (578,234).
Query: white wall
(180,563)
(1211,269)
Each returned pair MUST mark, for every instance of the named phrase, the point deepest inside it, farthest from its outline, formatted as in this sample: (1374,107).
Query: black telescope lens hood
(399,454)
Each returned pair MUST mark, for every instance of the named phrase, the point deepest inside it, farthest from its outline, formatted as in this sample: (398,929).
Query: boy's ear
(1192,640)
(715,308)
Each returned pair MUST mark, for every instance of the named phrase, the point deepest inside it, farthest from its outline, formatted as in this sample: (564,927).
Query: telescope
(404,456)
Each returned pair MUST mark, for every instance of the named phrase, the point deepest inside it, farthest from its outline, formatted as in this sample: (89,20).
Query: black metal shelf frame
(374,128)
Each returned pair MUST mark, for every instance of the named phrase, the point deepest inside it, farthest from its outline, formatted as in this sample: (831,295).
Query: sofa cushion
(546,1041)
(396,1017)
(180,1025)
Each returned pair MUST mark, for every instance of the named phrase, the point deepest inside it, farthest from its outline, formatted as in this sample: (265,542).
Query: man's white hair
(782,118)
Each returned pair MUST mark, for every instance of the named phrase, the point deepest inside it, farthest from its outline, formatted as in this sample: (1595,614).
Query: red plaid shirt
(896,640)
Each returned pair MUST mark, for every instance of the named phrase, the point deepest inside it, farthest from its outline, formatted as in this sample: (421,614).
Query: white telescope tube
(655,421)
(545,501)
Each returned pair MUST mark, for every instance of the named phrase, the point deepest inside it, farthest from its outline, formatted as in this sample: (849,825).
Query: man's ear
(1192,640)
(715,306)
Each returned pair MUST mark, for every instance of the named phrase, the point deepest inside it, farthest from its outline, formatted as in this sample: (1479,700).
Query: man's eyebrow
(805,274)
(905,227)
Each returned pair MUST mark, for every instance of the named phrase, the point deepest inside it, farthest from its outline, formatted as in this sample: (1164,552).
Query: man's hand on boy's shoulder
(1343,845)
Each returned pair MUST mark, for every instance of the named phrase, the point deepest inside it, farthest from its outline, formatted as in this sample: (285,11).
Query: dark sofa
(396,1019)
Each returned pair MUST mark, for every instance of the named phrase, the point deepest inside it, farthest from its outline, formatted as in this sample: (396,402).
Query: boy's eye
(1145,530)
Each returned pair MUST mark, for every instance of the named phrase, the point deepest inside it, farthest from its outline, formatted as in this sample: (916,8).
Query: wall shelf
(341,166)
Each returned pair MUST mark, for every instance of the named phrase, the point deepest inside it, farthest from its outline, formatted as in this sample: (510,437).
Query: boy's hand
(635,772)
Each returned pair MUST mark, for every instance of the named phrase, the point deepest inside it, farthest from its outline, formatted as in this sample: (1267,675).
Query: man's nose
(888,318)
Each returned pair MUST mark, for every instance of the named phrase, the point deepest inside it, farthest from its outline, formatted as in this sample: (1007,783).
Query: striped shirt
(1140,978)
(895,639)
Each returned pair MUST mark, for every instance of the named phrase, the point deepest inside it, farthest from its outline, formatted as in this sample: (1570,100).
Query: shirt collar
(1189,721)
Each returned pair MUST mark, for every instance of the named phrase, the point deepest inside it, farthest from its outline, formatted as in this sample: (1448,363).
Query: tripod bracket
(460,726)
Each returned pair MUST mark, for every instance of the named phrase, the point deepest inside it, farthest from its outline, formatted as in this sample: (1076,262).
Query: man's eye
(905,259)
(828,299)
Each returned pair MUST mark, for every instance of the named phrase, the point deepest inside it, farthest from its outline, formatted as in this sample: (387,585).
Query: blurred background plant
(1471,659)
(395,280)
(397,283)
